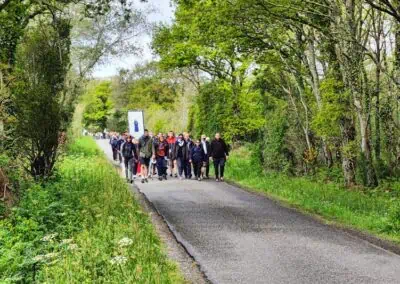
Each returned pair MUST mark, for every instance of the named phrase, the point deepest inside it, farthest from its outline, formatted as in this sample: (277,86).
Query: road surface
(239,237)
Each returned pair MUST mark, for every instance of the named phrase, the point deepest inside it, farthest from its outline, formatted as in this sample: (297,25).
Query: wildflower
(39,258)
(125,242)
(49,238)
(66,241)
(73,247)
(119,260)
(45,257)
(51,255)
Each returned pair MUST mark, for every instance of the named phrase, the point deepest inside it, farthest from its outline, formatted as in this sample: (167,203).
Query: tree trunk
(316,91)
(348,160)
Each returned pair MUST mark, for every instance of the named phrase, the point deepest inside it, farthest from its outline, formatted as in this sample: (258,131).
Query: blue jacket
(197,154)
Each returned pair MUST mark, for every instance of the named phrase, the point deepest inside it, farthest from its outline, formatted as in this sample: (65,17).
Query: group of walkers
(182,156)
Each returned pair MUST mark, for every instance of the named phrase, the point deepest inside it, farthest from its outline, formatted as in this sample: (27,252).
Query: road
(239,237)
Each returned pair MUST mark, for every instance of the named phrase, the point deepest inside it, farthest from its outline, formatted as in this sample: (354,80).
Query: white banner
(136,123)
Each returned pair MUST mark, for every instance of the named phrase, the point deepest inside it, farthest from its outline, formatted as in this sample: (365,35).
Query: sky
(164,13)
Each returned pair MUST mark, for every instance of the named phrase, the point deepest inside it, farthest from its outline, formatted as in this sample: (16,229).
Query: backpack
(146,148)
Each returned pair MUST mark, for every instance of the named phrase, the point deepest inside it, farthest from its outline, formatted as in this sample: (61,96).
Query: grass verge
(373,211)
(82,227)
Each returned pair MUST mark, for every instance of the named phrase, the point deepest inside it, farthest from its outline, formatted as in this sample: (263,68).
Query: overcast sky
(164,13)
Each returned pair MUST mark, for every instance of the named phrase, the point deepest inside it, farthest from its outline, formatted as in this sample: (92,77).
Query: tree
(98,109)
(41,67)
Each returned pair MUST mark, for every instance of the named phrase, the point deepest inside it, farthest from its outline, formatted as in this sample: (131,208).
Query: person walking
(145,153)
(189,145)
(160,154)
(121,140)
(153,162)
(181,155)
(207,151)
(219,154)
(114,147)
(197,158)
(171,139)
(130,153)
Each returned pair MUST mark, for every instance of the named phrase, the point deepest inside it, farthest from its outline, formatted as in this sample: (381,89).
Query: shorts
(145,161)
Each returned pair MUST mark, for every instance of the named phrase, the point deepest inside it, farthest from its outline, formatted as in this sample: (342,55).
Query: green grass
(82,227)
(374,211)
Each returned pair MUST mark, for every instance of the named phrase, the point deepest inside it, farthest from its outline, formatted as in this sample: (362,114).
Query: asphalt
(239,237)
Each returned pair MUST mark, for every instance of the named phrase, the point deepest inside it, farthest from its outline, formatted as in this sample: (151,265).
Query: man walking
(160,154)
(114,147)
(121,140)
(131,158)
(181,155)
(197,158)
(189,145)
(219,154)
(207,151)
(145,153)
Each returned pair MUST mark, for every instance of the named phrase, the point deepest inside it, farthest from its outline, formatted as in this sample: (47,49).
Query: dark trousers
(182,168)
(197,169)
(188,169)
(115,154)
(161,168)
(130,168)
(219,165)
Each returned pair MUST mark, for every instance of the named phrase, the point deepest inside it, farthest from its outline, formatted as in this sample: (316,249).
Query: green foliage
(217,111)
(41,69)
(373,211)
(276,155)
(326,122)
(99,107)
(70,229)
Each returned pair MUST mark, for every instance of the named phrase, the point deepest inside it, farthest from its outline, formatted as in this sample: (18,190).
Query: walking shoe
(217,179)
(131,180)
(199,179)
(143,180)
(165,177)
(147,180)
(176,175)
(180,178)
(160,178)
(170,175)
(222,178)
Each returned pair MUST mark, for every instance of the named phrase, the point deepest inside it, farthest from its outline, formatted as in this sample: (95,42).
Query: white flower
(73,247)
(125,242)
(118,260)
(49,238)
(66,241)
(39,258)
(45,257)
(51,255)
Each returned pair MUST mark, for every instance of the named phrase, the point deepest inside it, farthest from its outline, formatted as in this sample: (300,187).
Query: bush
(83,226)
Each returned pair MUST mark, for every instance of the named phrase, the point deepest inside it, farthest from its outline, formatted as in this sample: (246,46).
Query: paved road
(239,237)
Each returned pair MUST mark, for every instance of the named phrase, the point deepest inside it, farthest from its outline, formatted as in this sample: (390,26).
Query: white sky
(164,13)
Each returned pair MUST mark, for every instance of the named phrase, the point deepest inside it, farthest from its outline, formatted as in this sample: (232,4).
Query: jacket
(160,148)
(219,149)
(129,151)
(197,154)
(181,146)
